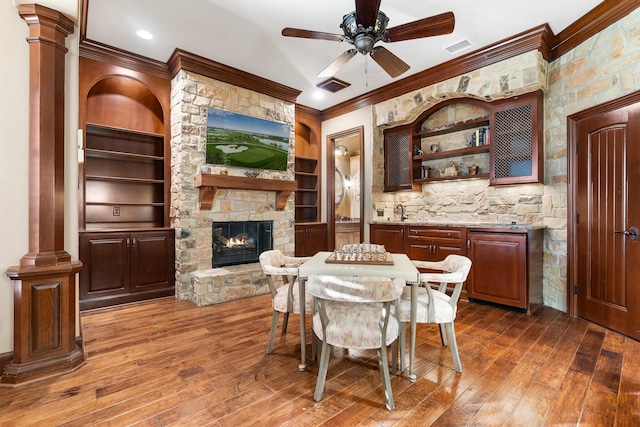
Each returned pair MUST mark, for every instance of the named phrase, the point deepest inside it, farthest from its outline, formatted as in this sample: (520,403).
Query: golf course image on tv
(237,140)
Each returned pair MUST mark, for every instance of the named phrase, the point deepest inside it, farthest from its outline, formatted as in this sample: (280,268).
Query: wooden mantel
(209,184)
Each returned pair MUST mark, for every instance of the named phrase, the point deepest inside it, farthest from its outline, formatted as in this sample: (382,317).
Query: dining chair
(435,305)
(355,313)
(286,297)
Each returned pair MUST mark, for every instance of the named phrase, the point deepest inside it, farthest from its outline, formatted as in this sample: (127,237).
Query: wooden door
(608,217)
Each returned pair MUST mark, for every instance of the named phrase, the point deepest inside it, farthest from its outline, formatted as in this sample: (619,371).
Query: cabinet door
(300,235)
(499,270)
(516,141)
(398,159)
(316,239)
(310,239)
(152,260)
(391,236)
(105,260)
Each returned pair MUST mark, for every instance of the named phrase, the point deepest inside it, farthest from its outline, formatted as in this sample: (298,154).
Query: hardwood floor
(167,362)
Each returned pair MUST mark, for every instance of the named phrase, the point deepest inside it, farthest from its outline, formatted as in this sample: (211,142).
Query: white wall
(361,117)
(14,148)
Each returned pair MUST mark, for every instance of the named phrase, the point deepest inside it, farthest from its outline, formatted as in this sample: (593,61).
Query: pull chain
(366,73)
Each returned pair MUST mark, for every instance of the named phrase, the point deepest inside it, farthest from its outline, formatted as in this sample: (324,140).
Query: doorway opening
(345,187)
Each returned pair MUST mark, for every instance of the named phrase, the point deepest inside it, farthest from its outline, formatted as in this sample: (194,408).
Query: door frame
(330,180)
(572,180)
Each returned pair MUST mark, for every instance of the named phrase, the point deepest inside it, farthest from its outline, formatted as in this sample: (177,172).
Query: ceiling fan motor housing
(364,38)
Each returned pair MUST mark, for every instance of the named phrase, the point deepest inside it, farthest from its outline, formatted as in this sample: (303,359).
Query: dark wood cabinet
(126,266)
(517,140)
(507,267)
(426,243)
(311,238)
(501,140)
(398,174)
(389,235)
(126,247)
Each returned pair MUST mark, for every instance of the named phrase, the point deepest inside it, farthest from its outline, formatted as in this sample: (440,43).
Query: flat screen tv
(237,140)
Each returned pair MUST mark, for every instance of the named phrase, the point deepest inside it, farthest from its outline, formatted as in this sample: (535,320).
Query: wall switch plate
(380,212)
(116,211)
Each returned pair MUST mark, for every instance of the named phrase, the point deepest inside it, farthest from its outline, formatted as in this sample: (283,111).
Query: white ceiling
(245,34)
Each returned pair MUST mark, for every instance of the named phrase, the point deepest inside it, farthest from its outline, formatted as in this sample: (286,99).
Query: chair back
(274,264)
(355,289)
(455,269)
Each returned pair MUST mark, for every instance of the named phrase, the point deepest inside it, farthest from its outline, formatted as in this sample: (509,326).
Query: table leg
(412,339)
(303,329)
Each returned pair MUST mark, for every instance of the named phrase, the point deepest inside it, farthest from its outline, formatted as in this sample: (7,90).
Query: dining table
(399,266)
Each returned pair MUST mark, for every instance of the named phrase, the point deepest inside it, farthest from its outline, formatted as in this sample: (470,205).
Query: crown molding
(600,17)
(312,113)
(104,53)
(538,38)
(182,60)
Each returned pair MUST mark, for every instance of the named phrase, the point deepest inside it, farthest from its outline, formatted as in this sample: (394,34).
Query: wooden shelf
(453,153)
(108,154)
(452,178)
(456,127)
(209,184)
(125,179)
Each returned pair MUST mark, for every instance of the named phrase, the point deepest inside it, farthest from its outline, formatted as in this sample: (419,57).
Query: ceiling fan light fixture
(364,43)
(364,38)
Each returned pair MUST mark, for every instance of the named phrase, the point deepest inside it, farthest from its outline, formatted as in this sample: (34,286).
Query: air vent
(458,47)
(333,85)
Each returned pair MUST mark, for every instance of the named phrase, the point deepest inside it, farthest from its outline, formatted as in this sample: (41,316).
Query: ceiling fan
(367,25)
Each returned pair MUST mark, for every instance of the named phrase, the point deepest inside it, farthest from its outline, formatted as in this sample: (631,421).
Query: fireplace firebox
(240,242)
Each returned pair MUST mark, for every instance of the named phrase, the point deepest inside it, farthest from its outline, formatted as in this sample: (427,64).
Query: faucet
(402,216)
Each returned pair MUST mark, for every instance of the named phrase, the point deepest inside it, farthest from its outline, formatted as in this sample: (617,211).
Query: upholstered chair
(435,305)
(281,272)
(355,313)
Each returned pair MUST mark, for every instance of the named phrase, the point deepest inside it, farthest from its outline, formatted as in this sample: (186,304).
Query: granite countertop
(463,224)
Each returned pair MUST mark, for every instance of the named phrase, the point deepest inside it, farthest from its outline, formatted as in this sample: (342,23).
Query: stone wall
(191,96)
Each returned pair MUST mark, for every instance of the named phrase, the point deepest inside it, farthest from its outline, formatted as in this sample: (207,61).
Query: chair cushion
(443,310)
(355,325)
(280,300)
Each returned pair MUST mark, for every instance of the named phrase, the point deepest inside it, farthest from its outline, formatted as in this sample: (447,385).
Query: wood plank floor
(167,363)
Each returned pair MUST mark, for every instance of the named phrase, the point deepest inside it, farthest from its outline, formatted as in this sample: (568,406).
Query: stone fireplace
(196,205)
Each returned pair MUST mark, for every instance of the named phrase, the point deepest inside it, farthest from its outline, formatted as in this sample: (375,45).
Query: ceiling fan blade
(308,34)
(433,26)
(393,65)
(367,12)
(339,62)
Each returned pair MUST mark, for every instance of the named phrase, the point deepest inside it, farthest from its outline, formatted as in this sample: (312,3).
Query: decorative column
(45,281)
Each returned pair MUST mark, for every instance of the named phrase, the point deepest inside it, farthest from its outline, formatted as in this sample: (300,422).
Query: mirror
(339,186)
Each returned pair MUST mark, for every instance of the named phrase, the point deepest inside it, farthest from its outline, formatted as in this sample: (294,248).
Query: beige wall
(14,148)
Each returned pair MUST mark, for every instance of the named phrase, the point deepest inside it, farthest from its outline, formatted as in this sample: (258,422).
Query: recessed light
(144,34)
(318,94)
